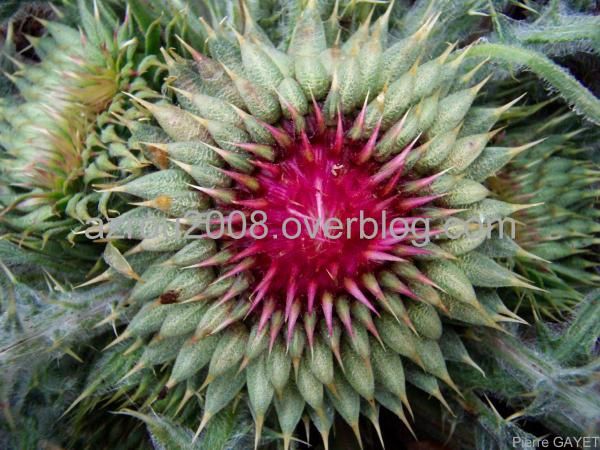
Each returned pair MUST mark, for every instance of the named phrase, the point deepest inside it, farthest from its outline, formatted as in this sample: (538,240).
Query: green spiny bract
(395,124)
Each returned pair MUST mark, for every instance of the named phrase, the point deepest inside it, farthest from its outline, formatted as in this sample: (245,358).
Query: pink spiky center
(322,178)
(316,187)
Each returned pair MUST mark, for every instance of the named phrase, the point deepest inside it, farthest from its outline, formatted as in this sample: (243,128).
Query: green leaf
(227,430)
(153,38)
(141,14)
(578,340)
(165,434)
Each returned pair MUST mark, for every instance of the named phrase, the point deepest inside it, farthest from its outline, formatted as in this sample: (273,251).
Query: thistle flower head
(63,97)
(287,140)
(58,131)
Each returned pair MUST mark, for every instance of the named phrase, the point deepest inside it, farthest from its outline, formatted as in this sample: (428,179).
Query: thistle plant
(226,169)
(60,135)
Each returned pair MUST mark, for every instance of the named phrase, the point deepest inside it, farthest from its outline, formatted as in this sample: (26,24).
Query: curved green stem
(582,100)
(564,33)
